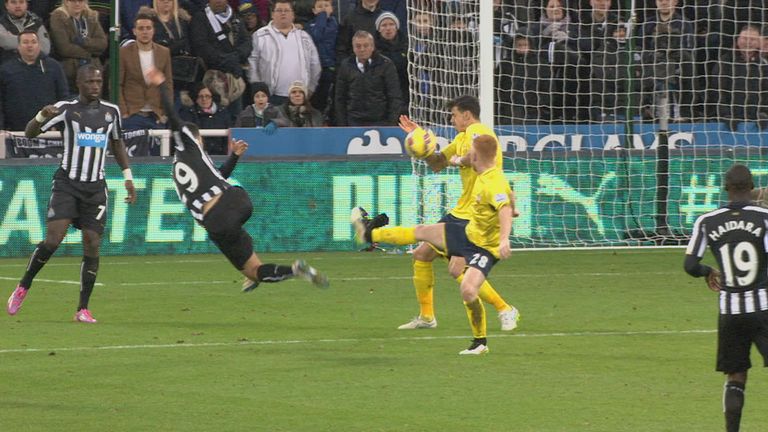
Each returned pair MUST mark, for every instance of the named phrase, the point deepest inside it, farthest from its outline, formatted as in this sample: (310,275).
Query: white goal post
(617,118)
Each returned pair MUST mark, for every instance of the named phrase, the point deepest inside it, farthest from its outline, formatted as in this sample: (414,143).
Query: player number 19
(744,258)
(185,176)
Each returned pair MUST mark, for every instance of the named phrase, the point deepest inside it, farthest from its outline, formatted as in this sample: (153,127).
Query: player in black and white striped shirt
(79,192)
(216,205)
(737,234)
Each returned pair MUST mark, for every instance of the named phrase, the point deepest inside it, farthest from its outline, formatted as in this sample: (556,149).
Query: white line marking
(354,340)
(514,275)
(213,259)
(176,283)
(66,282)
(116,263)
(354,278)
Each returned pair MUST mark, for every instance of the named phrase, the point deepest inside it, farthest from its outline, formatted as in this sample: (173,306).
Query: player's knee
(251,267)
(424,253)
(91,248)
(468,294)
(91,244)
(53,240)
(455,272)
(456,269)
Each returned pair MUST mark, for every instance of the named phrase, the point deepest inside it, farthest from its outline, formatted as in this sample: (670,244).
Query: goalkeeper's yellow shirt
(460,146)
(490,194)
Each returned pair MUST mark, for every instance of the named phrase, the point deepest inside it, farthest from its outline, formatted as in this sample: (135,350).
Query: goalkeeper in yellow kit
(465,114)
(483,241)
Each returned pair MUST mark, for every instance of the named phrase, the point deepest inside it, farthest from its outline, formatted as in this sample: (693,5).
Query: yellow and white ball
(420,143)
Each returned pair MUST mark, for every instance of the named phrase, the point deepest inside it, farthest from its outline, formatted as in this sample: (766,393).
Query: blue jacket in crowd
(324,30)
(25,89)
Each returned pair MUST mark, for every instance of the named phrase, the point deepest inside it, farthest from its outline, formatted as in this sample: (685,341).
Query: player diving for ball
(480,244)
(222,209)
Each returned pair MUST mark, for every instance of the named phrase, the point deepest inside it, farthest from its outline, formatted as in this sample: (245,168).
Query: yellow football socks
(394,235)
(476,315)
(489,295)
(424,282)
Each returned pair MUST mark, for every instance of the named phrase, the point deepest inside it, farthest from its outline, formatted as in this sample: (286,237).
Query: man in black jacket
(362,17)
(220,38)
(742,90)
(17,19)
(367,87)
(29,82)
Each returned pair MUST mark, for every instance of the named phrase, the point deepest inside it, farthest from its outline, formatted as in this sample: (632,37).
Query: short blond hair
(485,147)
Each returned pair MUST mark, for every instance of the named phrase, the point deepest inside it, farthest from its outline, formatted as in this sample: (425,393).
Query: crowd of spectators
(577,62)
(307,63)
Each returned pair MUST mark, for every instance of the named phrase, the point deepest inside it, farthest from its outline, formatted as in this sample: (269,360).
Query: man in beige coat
(140,104)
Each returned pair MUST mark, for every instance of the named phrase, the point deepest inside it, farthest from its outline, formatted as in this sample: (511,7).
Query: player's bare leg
(88,272)
(256,272)
(733,399)
(470,286)
(55,231)
(508,314)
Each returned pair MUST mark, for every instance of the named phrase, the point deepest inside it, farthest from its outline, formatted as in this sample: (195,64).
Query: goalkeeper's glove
(270,128)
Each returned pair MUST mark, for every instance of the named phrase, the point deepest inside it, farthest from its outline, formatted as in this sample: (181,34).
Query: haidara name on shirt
(733,225)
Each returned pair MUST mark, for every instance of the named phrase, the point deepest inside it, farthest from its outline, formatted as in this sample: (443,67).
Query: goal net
(618,119)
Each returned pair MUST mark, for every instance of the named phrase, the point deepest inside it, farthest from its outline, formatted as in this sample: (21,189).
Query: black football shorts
(83,202)
(224,223)
(458,244)
(735,336)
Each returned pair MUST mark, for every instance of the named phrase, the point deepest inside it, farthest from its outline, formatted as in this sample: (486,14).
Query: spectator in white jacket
(283,54)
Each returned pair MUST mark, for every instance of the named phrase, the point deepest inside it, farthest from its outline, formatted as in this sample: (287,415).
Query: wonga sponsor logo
(91,139)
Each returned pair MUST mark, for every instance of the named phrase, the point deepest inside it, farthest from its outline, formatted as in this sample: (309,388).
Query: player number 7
(102,209)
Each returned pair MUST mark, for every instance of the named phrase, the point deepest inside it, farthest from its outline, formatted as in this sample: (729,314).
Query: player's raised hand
(239,147)
(504,249)
(406,124)
(131,198)
(713,280)
(154,76)
(49,111)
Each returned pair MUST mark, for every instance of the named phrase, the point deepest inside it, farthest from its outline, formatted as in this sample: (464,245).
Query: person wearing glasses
(208,113)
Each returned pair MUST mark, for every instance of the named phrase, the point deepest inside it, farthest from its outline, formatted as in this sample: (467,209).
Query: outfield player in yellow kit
(465,114)
(483,241)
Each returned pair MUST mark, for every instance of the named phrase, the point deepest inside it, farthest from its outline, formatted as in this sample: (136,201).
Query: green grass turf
(609,341)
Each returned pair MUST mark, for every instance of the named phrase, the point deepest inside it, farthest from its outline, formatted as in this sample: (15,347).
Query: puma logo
(551,185)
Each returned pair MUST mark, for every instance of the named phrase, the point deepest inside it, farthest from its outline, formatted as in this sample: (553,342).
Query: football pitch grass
(613,340)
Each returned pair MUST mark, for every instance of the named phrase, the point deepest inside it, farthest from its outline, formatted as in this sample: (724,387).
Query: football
(420,143)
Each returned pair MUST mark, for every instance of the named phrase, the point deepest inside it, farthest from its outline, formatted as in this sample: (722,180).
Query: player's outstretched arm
(238,148)
(156,78)
(435,161)
(33,126)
